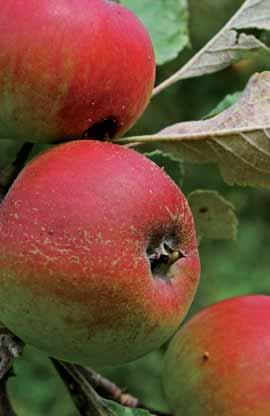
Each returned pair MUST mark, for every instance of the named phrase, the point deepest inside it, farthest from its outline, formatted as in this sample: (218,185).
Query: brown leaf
(238,139)
(230,44)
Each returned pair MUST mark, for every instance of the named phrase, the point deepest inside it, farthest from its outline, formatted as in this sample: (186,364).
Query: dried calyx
(103,130)
(162,257)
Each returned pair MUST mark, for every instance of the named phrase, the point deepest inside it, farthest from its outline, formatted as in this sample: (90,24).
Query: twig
(107,389)
(84,396)
(104,387)
(111,391)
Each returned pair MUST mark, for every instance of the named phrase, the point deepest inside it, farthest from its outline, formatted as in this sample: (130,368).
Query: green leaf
(227,102)
(167,23)
(172,165)
(118,410)
(214,216)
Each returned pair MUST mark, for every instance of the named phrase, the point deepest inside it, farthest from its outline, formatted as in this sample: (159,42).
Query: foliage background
(228,268)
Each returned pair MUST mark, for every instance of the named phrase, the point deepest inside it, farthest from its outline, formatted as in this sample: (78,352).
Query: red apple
(218,363)
(69,67)
(98,254)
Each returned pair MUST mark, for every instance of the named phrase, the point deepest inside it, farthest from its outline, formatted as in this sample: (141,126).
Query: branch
(85,398)
(104,387)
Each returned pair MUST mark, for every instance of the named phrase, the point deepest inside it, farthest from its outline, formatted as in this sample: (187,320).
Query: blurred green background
(228,268)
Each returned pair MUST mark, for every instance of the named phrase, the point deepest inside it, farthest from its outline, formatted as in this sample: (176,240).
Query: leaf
(172,165)
(118,410)
(238,139)
(167,22)
(214,216)
(227,102)
(229,45)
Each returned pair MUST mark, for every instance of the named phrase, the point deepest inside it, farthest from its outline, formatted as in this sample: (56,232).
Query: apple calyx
(162,257)
(102,130)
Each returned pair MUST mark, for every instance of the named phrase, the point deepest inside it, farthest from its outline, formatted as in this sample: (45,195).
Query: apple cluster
(98,253)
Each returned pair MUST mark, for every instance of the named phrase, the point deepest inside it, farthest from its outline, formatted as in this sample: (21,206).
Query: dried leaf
(229,45)
(214,216)
(238,139)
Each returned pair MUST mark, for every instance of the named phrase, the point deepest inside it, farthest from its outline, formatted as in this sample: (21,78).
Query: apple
(71,68)
(98,254)
(218,362)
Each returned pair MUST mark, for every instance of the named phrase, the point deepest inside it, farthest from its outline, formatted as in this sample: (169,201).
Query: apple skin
(218,363)
(77,230)
(68,65)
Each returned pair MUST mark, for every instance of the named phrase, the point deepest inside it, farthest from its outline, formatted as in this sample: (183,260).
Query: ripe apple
(98,254)
(218,362)
(70,68)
